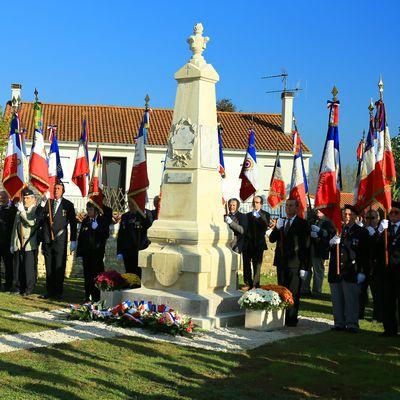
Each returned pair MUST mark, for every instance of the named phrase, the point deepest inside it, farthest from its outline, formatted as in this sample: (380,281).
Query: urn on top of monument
(197,43)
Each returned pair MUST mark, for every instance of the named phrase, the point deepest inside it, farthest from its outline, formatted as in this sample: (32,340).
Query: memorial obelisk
(189,264)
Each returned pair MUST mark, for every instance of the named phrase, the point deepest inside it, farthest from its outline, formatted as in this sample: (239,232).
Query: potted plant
(265,307)
(111,283)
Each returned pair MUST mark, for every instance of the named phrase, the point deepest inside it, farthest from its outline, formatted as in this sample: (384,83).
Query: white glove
(20,207)
(359,223)
(360,277)
(303,274)
(228,219)
(334,241)
(315,228)
(371,231)
(256,214)
(120,257)
(280,223)
(11,250)
(94,224)
(314,234)
(72,246)
(383,225)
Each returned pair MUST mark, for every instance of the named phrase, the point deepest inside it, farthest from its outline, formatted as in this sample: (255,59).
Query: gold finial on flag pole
(334,92)
(36,93)
(147,100)
(371,107)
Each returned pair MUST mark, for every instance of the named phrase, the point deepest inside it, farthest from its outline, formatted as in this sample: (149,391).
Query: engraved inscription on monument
(181,144)
(178,177)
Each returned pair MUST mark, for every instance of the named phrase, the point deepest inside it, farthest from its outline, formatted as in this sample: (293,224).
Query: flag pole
(334,93)
(385,234)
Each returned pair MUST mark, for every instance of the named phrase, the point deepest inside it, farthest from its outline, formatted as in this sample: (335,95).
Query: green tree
(4,132)
(225,105)
(396,155)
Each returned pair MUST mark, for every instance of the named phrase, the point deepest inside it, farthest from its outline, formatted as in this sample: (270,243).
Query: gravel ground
(221,339)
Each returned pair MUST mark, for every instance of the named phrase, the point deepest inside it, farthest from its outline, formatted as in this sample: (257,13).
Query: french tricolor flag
(14,174)
(385,171)
(277,189)
(81,170)
(298,185)
(248,175)
(327,198)
(137,193)
(38,166)
(96,184)
(55,169)
(364,194)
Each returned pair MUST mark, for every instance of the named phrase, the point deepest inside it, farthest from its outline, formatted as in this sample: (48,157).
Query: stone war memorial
(189,264)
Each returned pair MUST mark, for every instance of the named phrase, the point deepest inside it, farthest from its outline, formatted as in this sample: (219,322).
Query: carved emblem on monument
(181,144)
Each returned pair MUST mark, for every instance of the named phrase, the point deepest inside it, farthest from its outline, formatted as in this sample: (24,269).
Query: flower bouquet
(159,318)
(265,308)
(113,280)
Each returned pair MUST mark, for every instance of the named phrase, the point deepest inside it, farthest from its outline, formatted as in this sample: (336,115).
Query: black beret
(27,192)
(395,204)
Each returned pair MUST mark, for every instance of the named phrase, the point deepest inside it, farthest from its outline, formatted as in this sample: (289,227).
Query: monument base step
(210,310)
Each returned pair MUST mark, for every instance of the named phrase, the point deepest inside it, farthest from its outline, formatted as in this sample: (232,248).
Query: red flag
(81,169)
(14,174)
(137,193)
(277,189)
(385,172)
(327,197)
(38,167)
(96,185)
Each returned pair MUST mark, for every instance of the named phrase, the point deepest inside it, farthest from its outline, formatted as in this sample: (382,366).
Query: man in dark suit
(391,271)
(353,259)
(237,221)
(156,210)
(292,253)
(132,237)
(54,237)
(92,239)
(322,230)
(7,217)
(257,225)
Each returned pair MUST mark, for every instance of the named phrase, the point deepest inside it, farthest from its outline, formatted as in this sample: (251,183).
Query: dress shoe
(14,292)
(337,329)
(291,324)
(45,296)
(352,330)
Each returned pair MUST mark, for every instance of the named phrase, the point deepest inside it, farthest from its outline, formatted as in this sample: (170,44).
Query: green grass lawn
(329,365)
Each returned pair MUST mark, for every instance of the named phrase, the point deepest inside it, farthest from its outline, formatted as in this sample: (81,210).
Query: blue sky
(102,52)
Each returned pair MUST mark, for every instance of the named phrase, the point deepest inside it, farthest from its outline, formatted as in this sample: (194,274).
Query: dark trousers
(279,274)
(391,301)
(253,257)
(363,297)
(93,265)
(292,281)
(25,271)
(377,297)
(7,258)
(131,260)
(55,259)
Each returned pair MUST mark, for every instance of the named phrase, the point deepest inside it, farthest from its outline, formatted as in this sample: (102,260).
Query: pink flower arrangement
(111,280)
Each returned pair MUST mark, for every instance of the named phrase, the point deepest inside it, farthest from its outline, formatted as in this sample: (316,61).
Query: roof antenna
(284,77)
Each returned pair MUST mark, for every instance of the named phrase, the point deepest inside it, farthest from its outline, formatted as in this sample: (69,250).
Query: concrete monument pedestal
(189,265)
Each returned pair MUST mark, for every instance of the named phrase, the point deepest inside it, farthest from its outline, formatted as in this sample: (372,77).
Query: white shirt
(290,221)
(57,204)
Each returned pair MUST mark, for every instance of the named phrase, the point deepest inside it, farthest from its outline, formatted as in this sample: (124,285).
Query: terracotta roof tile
(119,125)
